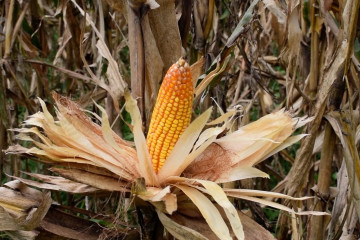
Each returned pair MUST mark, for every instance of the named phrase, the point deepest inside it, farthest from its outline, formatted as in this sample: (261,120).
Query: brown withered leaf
(252,230)
(97,181)
(276,10)
(220,170)
(344,125)
(58,224)
(209,77)
(66,225)
(197,69)
(117,5)
(69,73)
(179,231)
(88,168)
(200,14)
(298,176)
(57,184)
(21,207)
(210,170)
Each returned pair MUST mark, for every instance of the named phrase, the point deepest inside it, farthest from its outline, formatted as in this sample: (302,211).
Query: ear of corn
(172,112)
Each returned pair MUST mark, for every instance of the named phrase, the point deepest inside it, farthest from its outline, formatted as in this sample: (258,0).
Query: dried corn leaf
(287,143)
(276,10)
(154,65)
(97,181)
(246,147)
(205,139)
(22,208)
(66,226)
(224,117)
(178,231)
(275,205)
(108,135)
(220,197)
(197,70)
(252,142)
(161,198)
(117,85)
(253,231)
(259,193)
(209,77)
(75,138)
(248,15)
(145,163)
(208,211)
(57,184)
(343,124)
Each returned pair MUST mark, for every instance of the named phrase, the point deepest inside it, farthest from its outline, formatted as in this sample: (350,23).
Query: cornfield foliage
(261,70)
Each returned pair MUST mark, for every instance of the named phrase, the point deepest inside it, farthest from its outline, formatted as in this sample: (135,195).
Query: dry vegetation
(253,56)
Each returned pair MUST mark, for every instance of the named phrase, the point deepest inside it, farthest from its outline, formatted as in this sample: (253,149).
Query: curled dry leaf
(226,158)
(197,69)
(57,184)
(21,207)
(179,231)
(276,10)
(207,80)
(97,181)
(344,123)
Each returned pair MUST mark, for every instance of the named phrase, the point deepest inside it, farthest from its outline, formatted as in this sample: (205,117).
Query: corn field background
(299,55)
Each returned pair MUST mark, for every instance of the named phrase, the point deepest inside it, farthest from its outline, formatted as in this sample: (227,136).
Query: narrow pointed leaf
(145,164)
(220,197)
(178,231)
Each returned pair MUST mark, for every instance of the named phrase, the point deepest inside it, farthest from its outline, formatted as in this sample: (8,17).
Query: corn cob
(172,112)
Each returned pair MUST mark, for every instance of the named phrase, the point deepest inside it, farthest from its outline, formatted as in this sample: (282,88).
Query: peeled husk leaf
(92,142)
(220,197)
(208,211)
(161,198)
(145,164)
(245,147)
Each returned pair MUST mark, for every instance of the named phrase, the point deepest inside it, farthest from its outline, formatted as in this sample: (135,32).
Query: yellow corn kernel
(174,103)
